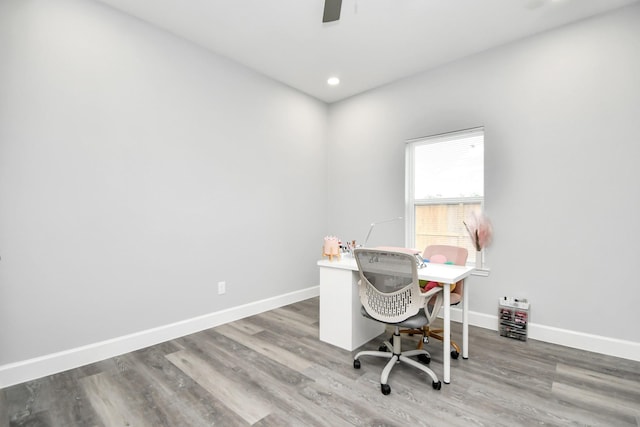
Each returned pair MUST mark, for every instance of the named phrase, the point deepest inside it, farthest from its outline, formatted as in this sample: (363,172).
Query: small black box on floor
(513,318)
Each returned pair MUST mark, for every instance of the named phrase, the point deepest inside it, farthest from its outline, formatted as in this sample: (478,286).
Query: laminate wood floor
(271,370)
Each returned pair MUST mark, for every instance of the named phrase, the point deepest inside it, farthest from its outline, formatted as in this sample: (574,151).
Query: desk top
(443,273)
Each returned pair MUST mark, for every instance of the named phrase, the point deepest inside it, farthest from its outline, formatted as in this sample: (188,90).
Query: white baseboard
(579,340)
(27,370)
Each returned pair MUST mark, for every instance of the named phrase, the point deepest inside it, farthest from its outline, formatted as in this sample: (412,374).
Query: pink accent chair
(441,254)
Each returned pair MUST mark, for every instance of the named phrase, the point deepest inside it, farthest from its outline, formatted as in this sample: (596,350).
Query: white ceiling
(374,43)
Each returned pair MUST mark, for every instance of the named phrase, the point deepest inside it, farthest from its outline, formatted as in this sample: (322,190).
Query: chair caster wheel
(356,364)
(454,354)
(383,348)
(437,385)
(424,359)
(425,340)
(385,389)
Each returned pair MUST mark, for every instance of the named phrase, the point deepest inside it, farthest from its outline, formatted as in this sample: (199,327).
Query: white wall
(138,170)
(561,113)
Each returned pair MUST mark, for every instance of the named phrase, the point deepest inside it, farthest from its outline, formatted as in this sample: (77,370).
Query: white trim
(27,370)
(484,272)
(448,136)
(409,181)
(583,341)
(578,340)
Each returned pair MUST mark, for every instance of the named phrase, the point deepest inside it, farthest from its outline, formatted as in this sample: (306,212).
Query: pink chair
(442,254)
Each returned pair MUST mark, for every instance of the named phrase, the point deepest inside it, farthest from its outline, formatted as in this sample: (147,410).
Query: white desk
(342,325)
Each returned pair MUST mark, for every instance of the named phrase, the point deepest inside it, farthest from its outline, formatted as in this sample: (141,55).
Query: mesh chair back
(389,287)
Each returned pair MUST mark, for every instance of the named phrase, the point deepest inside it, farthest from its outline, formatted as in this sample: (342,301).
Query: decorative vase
(331,247)
(478,259)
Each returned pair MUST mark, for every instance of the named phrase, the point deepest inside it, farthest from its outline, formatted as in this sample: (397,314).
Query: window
(444,184)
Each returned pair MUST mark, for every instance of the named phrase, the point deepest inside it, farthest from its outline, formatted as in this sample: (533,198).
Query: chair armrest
(432,310)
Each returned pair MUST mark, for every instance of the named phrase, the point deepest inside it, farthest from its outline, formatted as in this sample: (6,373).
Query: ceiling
(374,43)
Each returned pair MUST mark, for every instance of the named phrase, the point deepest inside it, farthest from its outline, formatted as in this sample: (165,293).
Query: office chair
(441,254)
(390,293)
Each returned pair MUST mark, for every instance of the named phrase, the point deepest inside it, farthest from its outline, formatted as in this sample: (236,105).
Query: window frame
(411,202)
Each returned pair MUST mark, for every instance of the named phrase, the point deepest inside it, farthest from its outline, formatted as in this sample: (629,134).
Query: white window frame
(411,202)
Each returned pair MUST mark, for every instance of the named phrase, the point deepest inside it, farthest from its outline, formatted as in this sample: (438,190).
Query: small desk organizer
(513,318)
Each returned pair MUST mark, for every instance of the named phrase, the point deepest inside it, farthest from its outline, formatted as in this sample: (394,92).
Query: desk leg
(465,322)
(446,342)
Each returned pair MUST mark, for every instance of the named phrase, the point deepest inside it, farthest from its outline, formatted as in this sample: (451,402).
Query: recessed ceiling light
(333,81)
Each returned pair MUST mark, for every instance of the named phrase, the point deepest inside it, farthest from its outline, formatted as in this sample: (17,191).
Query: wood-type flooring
(271,370)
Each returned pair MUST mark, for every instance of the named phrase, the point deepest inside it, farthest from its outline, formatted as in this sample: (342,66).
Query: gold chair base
(426,331)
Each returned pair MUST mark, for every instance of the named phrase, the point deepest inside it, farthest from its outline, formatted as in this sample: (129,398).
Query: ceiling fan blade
(331,10)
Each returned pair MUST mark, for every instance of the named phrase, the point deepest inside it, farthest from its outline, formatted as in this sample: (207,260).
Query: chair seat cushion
(414,322)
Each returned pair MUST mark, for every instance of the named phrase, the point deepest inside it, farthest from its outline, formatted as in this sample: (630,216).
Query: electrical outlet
(222,288)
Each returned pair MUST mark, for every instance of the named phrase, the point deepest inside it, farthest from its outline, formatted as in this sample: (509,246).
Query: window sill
(484,272)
